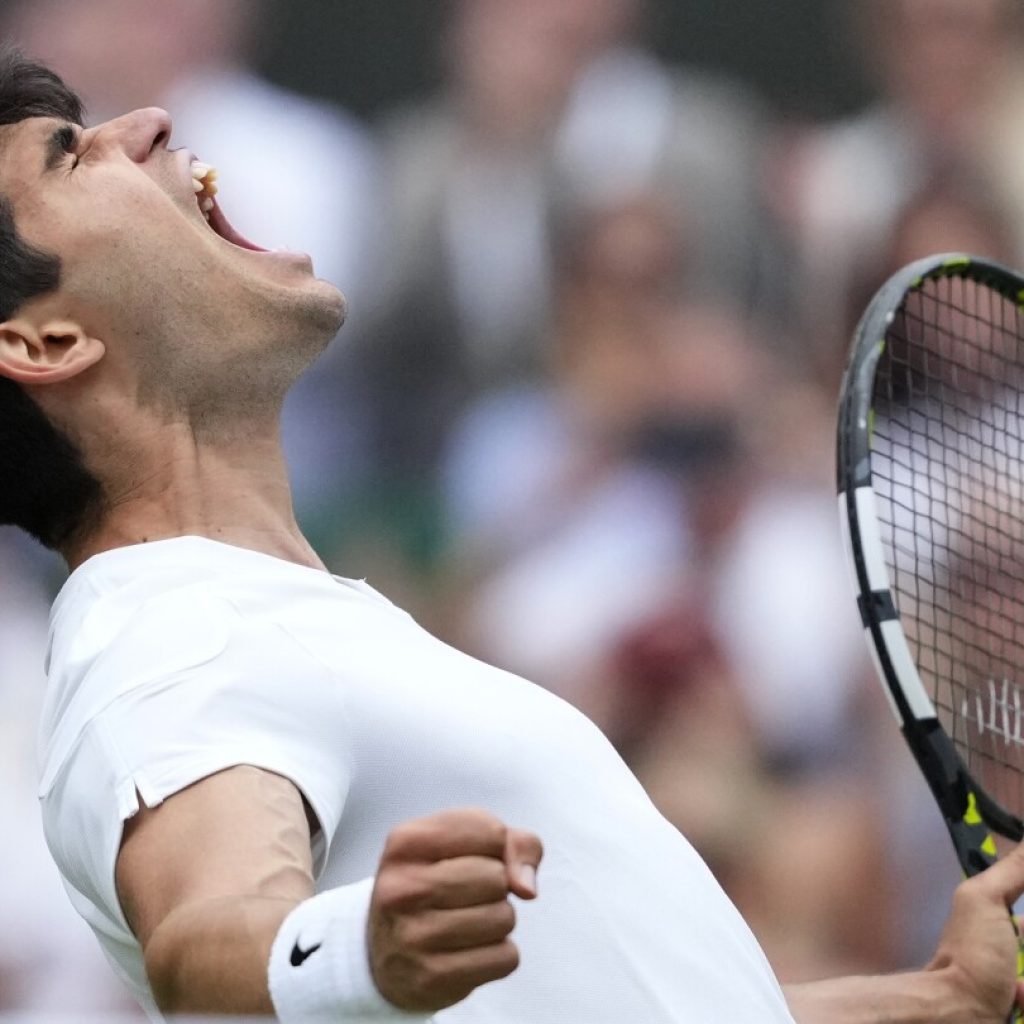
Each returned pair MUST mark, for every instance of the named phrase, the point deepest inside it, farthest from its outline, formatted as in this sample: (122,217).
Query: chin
(321,308)
(336,303)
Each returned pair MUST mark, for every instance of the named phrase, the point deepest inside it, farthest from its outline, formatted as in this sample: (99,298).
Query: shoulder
(104,644)
(184,677)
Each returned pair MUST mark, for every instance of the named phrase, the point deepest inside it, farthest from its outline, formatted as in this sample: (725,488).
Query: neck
(235,492)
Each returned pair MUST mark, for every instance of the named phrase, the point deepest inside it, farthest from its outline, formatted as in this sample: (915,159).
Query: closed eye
(68,142)
(62,142)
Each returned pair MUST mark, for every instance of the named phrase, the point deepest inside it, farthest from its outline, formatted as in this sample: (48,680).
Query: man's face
(193,320)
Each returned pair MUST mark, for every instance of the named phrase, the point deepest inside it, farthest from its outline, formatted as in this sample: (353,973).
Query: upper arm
(241,834)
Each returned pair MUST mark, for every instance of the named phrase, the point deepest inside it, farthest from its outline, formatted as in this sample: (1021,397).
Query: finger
(523,853)
(468,832)
(464,970)
(445,931)
(467,882)
(447,884)
(1004,879)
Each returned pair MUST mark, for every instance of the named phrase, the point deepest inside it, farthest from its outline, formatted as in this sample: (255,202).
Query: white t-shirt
(173,660)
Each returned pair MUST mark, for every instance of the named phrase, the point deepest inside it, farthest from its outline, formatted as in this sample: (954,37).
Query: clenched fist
(440,917)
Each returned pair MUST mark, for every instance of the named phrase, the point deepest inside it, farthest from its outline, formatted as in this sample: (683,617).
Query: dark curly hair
(45,487)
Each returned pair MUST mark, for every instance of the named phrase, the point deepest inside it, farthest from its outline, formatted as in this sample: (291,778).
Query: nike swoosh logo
(300,956)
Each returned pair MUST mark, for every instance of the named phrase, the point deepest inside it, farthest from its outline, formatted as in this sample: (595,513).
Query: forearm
(211,957)
(918,997)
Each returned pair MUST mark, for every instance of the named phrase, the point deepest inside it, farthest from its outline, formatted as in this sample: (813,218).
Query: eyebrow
(58,144)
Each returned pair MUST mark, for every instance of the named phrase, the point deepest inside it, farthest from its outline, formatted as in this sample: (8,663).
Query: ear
(47,353)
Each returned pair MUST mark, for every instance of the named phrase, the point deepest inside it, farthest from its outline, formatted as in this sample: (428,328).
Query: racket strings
(946,468)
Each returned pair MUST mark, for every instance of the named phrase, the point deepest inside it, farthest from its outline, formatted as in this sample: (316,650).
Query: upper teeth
(204,183)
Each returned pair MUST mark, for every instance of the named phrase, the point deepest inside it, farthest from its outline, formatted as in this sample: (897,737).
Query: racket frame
(970,814)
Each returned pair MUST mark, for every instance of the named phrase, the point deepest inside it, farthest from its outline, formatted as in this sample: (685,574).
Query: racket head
(931,492)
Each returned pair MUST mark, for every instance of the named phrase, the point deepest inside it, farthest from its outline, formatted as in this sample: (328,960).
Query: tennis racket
(931,497)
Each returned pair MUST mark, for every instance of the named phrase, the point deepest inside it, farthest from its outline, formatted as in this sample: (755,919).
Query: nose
(138,134)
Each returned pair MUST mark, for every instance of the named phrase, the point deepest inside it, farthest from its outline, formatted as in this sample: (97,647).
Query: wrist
(931,996)
(956,996)
(319,964)
(945,993)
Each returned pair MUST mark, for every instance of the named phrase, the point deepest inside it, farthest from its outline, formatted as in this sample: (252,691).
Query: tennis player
(266,788)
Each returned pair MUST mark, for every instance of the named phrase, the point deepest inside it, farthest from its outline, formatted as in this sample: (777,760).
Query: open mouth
(204,184)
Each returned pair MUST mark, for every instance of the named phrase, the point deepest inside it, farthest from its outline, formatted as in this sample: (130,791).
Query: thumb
(523,853)
(1005,879)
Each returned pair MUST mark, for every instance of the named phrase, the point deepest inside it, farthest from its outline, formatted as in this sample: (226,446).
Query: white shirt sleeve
(189,687)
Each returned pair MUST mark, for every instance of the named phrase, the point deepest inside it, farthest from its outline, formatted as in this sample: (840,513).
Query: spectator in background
(549,104)
(668,449)
(550,502)
(294,173)
(948,75)
(618,266)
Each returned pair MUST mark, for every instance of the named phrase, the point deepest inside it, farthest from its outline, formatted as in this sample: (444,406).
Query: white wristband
(320,967)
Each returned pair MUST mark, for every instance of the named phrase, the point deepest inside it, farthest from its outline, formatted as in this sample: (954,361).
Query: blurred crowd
(581,420)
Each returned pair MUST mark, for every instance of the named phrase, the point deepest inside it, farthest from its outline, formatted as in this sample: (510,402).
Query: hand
(977,953)
(440,916)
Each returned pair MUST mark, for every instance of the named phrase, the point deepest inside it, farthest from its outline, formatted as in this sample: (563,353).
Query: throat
(235,493)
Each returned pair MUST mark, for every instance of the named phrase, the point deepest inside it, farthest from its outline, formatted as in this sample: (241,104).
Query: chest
(430,728)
